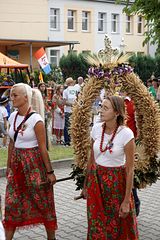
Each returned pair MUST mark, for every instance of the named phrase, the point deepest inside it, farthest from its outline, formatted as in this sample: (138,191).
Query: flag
(40,77)
(41,56)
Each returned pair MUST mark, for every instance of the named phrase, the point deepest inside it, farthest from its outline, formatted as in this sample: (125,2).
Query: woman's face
(61,89)
(107,112)
(42,88)
(18,97)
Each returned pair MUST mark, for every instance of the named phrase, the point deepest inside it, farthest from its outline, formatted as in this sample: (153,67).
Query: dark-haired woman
(110,206)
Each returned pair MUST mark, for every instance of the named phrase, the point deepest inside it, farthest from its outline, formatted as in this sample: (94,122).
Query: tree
(144,66)
(150,10)
(73,65)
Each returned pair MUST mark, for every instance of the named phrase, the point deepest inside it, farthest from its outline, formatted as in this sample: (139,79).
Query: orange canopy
(6,62)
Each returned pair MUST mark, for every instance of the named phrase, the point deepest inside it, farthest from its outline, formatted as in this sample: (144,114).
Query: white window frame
(56,56)
(56,19)
(129,24)
(85,21)
(115,23)
(140,22)
(102,16)
(71,17)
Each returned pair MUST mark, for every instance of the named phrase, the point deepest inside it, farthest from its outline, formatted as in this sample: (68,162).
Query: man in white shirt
(69,96)
(79,84)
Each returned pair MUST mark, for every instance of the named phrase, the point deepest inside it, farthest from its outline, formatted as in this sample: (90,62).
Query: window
(129,22)
(101,22)
(71,20)
(54,57)
(140,24)
(115,23)
(54,18)
(85,21)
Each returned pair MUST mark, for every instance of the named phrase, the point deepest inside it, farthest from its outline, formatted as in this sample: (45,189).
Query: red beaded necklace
(15,119)
(110,142)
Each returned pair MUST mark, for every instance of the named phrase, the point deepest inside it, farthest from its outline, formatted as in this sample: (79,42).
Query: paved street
(72,214)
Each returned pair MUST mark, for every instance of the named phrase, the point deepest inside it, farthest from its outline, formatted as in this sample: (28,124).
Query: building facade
(89,21)
(64,23)
(24,29)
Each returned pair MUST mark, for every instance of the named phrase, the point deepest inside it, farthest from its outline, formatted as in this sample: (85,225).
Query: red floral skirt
(105,193)
(29,197)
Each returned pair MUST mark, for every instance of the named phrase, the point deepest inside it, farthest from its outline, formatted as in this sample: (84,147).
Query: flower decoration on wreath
(110,70)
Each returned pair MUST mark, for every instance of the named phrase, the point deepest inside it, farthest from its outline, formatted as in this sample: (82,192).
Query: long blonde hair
(37,102)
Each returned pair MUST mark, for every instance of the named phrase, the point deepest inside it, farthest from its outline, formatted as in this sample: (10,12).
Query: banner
(41,56)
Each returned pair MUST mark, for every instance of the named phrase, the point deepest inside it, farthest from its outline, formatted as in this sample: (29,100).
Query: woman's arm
(5,123)
(41,138)
(129,152)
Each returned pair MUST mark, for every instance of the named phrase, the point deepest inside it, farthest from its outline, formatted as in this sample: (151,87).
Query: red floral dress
(29,197)
(105,193)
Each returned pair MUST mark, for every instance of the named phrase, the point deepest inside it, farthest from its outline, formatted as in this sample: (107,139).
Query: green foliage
(55,75)
(150,176)
(157,66)
(73,65)
(78,175)
(144,66)
(55,153)
(150,10)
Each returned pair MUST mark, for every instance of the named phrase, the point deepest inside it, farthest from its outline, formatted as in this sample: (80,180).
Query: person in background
(69,96)
(109,179)
(58,114)
(3,119)
(47,111)
(158,90)
(29,196)
(131,123)
(79,84)
(151,89)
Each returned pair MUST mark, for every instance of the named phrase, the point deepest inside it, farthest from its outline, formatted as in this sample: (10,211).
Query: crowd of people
(58,108)
(108,187)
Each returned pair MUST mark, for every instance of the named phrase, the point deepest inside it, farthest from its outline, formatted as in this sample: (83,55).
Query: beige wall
(21,19)
(85,38)
(133,41)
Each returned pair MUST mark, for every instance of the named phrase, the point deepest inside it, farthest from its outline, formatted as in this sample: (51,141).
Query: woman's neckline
(118,130)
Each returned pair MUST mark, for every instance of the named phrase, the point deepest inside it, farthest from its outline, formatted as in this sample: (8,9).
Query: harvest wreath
(109,71)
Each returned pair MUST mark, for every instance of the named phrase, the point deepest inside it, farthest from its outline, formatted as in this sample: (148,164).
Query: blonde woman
(29,196)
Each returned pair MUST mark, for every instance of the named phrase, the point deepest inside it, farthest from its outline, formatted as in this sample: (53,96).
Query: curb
(56,164)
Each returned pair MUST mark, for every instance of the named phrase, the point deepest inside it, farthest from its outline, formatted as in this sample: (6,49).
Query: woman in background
(58,114)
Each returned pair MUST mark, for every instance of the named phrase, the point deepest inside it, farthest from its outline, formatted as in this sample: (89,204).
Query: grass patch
(55,153)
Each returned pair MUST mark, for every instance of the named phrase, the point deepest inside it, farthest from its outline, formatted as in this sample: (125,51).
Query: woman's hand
(124,209)
(51,178)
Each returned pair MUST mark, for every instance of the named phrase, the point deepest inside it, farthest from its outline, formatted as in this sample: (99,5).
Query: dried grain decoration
(110,75)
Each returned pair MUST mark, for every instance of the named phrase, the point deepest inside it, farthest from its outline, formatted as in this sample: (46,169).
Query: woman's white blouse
(26,139)
(117,157)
